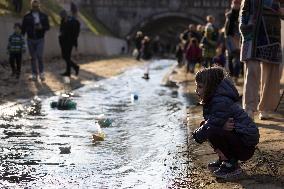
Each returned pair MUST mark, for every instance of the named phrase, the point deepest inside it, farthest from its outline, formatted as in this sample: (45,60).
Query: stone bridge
(154,17)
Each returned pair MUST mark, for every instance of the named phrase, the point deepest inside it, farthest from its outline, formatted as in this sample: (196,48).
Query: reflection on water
(140,149)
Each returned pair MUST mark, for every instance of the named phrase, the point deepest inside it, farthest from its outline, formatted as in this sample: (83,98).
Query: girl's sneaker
(213,166)
(227,170)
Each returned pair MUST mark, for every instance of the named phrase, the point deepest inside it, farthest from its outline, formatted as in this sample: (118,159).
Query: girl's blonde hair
(210,78)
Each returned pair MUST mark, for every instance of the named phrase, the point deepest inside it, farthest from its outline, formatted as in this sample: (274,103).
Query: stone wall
(132,13)
(89,44)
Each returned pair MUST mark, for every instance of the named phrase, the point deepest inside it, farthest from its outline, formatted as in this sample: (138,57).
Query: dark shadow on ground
(12,89)
(271,126)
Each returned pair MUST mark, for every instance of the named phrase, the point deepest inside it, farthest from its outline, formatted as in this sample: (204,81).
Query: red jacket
(193,53)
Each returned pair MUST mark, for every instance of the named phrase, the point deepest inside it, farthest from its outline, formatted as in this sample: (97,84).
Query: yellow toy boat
(99,137)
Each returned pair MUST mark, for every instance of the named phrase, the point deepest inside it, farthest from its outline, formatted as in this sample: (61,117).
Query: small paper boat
(98,137)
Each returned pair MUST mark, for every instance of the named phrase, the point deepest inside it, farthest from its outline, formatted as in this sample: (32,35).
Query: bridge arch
(166,24)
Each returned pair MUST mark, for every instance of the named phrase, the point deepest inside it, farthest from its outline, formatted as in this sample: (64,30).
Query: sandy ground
(92,68)
(264,171)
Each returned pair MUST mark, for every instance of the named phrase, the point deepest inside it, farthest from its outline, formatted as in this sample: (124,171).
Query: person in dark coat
(35,24)
(232,39)
(138,44)
(231,132)
(146,48)
(191,32)
(68,38)
(193,55)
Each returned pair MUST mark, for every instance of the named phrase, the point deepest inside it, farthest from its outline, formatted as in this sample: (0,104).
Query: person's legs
(14,2)
(20,5)
(39,54)
(187,65)
(230,64)
(206,62)
(270,87)
(230,149)
(236,65)
(210,62)
(66,53)
(72,63)
(139,54)
(32,50)
(230,144)
(251,87)
(18,62)
(12,63)
(75,66)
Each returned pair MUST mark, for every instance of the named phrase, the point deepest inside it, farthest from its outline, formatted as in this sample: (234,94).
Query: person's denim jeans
(36,47)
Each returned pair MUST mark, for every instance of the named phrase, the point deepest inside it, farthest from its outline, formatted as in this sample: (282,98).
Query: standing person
(147,53)
(208,45)
(211,24)
(146,48)
(16,47)
(138,44)
(68,38)
(156,46)
(128,43)
(18,4)
(179,52)
(35,24)
(260,28)
(230,131)
(232,39)
(200,30)
(191,32)
(193,55)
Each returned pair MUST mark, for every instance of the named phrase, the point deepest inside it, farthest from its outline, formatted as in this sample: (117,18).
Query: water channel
(145,147)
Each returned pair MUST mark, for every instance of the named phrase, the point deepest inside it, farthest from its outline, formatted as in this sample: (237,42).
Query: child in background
(179,51)
(193,54)
(16,47)
(231,132)
(208,42)
(219,59)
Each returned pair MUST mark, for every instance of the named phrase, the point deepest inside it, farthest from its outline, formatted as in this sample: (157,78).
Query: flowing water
(145,147)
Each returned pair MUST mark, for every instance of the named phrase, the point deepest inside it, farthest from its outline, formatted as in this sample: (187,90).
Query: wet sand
(264,170)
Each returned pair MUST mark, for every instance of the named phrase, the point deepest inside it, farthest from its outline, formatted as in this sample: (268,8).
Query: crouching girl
(228,128)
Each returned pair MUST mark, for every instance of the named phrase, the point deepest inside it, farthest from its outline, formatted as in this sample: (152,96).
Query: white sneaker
(33,77)
(42,77)
(263,115)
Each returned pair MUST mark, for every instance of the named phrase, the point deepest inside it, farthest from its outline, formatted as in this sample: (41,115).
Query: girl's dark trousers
(230,144)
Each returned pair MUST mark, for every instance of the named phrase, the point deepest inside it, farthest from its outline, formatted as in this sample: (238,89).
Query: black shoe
(146,76)
(77,69)
(228,170)
(17,76)
(65,74)
(213,166)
